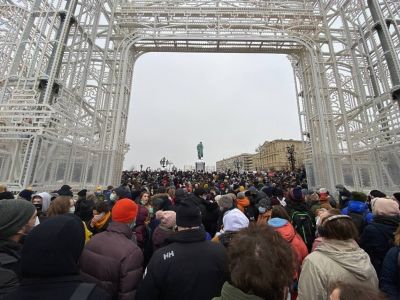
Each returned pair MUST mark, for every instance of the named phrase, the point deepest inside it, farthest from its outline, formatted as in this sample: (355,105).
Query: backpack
(358,220)
(304,225)
(249,212)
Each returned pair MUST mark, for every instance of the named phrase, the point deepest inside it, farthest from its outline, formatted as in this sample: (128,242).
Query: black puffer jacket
(9,266)
(377,238)
(188,268)
(49,262)
(209,213)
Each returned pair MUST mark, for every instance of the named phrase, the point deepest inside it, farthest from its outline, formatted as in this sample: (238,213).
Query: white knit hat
(235,220)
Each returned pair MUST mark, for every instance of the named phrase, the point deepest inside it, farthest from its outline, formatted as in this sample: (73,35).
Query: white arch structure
(66,69)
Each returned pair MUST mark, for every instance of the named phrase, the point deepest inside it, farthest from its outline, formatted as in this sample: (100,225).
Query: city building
(274,155)
(241,163)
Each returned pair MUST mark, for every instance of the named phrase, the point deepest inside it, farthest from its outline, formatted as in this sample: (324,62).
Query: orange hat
(124,211)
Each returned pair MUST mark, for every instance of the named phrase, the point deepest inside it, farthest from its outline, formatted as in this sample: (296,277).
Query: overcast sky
(230,102)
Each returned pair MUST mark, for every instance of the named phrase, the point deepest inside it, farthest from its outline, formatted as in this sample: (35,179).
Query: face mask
(38,207)
(142,202)
(151,210)
(262,210)
(72,209)
(113,197)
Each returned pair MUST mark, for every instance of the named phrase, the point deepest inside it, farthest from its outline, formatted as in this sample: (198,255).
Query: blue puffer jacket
(390,274)
(358,207)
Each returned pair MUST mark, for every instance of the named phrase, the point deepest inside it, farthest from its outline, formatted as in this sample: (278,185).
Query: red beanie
(124,211)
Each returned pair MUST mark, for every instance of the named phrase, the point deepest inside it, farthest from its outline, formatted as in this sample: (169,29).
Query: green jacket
(229,292)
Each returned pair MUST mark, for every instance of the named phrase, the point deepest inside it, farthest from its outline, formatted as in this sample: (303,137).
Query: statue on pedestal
(200,148)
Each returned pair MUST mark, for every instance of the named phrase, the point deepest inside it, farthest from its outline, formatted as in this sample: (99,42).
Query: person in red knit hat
(112,258)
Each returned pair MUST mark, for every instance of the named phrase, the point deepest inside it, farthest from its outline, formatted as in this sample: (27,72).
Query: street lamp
(290,156)
(141,168)
(238,164)
(163,162)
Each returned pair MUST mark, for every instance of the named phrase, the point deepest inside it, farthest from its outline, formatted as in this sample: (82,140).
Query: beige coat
(334,261)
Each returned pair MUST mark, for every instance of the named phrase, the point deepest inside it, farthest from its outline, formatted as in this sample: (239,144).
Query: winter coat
(6,195)
(49,258)
(114,261)
(9,266)
(377,239)
(315,206)
(188,268)
(333,261)
(358,207)
(229,292)
(160,234)
(293,206)
(209,212)
(390,274)
(140,227)
(289,234)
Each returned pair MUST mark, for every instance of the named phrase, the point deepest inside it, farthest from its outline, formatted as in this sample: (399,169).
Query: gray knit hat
(14,214)
(225,202)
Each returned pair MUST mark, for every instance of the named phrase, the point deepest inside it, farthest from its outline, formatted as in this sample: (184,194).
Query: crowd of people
(187,235)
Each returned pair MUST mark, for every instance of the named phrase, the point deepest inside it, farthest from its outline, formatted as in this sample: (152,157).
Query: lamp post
(291,156)
(163,162)
(141,168)
(238,164)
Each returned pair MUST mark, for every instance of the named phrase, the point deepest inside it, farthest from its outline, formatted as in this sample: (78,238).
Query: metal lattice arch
(66,69)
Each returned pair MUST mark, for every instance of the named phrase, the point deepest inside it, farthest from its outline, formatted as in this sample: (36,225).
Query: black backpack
(358,220)
(305,227)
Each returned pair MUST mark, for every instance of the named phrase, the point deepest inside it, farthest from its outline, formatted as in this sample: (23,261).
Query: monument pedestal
(200,166)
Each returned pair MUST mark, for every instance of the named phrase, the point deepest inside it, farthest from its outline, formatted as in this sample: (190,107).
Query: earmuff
(321,229)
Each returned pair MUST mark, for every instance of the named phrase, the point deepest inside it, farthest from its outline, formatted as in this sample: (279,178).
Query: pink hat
(385,207)
(167,218)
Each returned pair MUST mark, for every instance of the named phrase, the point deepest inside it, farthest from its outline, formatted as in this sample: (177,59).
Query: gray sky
(230,102)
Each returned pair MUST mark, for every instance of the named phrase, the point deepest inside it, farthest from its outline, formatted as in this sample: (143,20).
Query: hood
(53,247)
(286,231)
(46,199)
(243,202)
(229,292)
(357,206)
(349,256)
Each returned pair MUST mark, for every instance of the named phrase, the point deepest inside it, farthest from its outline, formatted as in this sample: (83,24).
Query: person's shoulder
(315,259)
(393,253)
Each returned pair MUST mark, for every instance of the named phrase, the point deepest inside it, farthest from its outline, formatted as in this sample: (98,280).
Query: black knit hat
(82,193)
(188,214)
(65,190)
